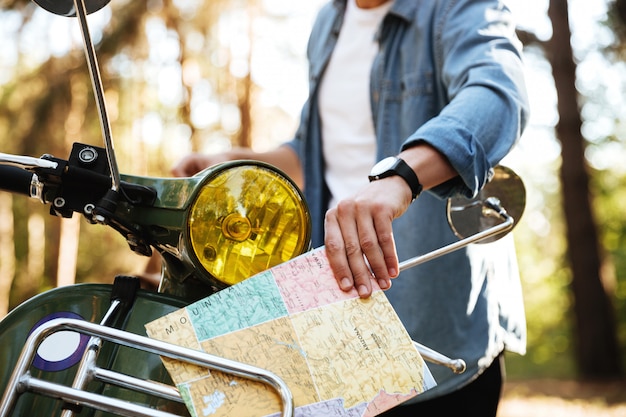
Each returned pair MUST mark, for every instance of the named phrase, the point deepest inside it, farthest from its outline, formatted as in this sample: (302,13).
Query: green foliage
(157,60)
(545,278)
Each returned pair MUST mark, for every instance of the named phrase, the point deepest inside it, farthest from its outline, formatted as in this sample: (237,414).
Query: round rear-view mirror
(67,7)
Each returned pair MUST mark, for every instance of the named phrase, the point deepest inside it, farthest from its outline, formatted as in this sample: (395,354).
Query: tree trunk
(596,341)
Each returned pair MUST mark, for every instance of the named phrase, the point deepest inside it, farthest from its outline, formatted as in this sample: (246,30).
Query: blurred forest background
(183,75)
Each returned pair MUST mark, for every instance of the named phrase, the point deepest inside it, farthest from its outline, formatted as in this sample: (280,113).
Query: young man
(438,86)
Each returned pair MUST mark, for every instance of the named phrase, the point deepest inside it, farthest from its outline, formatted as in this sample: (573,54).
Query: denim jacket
(450,73)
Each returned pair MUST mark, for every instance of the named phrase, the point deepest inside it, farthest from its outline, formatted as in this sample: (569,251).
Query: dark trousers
(480,398)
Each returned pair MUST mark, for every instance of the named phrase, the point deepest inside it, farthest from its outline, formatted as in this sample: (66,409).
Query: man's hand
(359,238)
(193,163)
(282,157)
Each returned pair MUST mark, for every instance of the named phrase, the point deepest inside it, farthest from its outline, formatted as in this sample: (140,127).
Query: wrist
(394,166)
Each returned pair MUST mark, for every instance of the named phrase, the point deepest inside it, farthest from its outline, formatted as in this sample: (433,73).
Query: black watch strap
(402,169)
(406,172)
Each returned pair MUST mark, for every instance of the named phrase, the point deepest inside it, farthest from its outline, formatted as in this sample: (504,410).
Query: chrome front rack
(21,381)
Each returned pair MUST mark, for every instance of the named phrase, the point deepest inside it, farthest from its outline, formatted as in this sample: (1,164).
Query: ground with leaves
(555,398)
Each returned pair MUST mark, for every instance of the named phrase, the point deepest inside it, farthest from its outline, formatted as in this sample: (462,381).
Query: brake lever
(26,162)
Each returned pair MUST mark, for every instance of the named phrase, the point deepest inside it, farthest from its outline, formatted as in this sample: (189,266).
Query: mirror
(67,8)
(470,216)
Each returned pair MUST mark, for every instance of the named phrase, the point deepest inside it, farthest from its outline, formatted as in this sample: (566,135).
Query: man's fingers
(387,247)
(336,252)
(373,265)
(350,239)
(360,243)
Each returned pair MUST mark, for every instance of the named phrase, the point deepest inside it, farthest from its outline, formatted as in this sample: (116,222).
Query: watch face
(383,165)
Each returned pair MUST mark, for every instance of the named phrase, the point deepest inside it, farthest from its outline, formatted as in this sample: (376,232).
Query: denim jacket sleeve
(475,75)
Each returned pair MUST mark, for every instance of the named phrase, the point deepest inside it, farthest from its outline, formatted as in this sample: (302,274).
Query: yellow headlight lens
(246,219)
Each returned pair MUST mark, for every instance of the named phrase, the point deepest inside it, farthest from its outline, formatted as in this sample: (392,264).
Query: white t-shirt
(348,138)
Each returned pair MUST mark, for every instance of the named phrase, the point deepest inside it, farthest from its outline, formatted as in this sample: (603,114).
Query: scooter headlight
(248,217)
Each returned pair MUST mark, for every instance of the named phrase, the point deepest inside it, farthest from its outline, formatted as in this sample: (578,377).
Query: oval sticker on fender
(60,350)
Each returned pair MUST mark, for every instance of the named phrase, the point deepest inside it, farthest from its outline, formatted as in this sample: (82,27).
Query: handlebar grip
(15,180)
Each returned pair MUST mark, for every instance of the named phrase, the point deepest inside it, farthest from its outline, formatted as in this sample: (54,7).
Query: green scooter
(79,350)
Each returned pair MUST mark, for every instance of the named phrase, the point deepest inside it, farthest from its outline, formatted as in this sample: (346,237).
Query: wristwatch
(393,165)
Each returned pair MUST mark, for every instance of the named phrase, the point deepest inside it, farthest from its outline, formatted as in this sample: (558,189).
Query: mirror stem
(96,80)
(494,208)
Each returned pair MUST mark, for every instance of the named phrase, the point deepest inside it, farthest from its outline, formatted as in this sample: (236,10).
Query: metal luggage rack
(21,381)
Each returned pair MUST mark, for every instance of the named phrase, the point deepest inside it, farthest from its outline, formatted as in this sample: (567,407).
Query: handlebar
(80,184)
(83,178)
(16,180)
